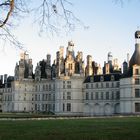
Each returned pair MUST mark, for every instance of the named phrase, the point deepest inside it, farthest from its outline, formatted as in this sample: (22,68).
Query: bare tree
(52,16)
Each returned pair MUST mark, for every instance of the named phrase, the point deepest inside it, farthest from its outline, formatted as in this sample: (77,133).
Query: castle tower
(89,69)
(16,76)
(135,59)
(30,69)
(25,67)
(38,72)
(60,61)
(48,60)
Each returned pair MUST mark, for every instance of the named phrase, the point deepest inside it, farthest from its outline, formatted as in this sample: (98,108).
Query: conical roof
(135,59)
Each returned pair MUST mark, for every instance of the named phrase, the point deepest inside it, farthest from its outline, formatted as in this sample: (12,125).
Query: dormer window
(112,77)
(91,79)
(101,78)
(136,71)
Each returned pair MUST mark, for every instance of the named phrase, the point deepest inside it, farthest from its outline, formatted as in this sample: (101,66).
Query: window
(70,66)
(68,107)
(118,95)
(91,79)
(112,84)
(112,95)
(43,97)
(96,96)
(68,86)
(63,95)
(87,96)
(137,107)
(35,106)
(49,87)
(68,82)
(112,77)
(96,85)
(101,78)
(118,84)
(107,85)
(53,96)
(136,71)
(46,87)
(49,97)
(35,97)
(39,88)
(102,85)
(137,81)
(137,93)
(53,107)
(107,95)
(35,88)
(87,86)
(91,95)
(102,96)
(63,86)
(68,95)
(43,87)
(91,85)
(53,87)
(63,107)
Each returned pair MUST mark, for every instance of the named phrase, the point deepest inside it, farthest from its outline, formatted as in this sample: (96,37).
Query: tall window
(112,95)
(137,107)
(68,107)
(96,96)
(112,84)
(91,95)
(137,81)
(107,95)
(63,107)
(118,84)
(102,85)
(96,85)
(137,93)
(44,88)
(49,87)
(87,96)
(63,95)
(68,86)
(107,85)
(102,95)
(87,86)
(68,95)
(118,95)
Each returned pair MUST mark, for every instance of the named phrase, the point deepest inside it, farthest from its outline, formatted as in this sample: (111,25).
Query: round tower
(135,59)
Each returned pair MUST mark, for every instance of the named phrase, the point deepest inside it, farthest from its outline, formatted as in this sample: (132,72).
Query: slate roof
(104,77)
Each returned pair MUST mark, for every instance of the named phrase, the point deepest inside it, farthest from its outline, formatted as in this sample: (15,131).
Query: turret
(89,69)
(135,59)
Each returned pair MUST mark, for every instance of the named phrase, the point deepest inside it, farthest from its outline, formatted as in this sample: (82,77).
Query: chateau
(72,87)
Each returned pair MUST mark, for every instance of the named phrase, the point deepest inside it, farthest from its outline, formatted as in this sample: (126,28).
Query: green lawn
(74,129)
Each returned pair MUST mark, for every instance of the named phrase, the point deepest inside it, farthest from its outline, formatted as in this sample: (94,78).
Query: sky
(111,29)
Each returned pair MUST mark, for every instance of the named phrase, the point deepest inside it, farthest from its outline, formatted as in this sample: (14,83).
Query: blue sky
(111,28)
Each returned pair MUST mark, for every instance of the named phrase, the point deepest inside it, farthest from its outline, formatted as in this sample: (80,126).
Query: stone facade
(71,87)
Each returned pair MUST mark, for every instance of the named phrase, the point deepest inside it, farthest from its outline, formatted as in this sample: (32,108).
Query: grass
(75,129)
